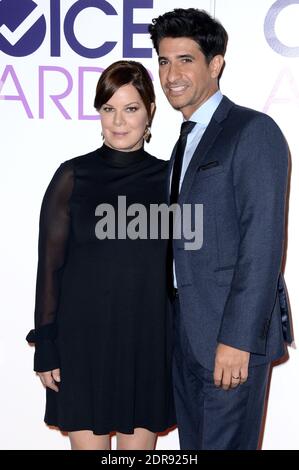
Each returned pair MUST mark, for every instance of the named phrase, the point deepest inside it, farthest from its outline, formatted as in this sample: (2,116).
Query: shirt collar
(204,113)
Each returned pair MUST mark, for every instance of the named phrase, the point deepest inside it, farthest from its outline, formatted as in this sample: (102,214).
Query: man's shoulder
(248,113)
(242,116)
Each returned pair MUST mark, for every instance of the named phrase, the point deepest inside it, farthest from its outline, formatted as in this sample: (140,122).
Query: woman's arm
(54,231)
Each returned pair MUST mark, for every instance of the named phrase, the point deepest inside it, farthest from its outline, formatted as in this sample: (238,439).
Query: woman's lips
(120,134)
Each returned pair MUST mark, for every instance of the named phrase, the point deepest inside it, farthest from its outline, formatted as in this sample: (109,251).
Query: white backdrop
(40,58)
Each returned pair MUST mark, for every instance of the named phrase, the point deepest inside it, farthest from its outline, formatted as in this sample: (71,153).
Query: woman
(102,327)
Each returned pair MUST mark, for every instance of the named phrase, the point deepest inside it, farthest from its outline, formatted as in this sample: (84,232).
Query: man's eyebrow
(181,56)
(185,56)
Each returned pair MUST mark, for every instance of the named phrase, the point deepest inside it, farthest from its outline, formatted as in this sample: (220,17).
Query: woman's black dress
(102,311)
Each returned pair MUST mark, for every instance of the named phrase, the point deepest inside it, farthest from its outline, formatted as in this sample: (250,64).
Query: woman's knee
(142,439)
(87,440)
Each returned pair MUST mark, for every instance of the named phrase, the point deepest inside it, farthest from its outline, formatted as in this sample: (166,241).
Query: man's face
(186,78)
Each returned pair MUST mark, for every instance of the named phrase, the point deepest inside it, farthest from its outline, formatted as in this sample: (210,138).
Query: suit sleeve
(54,231)
(260,169)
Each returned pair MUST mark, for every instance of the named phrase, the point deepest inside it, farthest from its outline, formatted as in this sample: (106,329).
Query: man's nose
(173,73)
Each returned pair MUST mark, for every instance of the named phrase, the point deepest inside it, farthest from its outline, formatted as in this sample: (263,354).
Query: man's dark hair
(192,23)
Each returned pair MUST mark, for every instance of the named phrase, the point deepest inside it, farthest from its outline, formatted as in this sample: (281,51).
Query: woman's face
(124,119)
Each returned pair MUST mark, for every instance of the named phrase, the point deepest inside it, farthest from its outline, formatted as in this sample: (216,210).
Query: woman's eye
(187,59)
(107,110)
(162,62)
(132,109)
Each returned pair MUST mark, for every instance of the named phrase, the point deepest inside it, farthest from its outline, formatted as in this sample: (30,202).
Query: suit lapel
(203,147)
(171,162)
(210,135)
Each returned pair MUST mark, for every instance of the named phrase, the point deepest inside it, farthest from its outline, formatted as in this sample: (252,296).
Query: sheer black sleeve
(54,234)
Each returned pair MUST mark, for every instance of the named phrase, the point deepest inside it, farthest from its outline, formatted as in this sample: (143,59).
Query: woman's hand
(49,378)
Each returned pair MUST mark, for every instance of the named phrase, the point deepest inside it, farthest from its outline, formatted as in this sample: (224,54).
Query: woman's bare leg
(87,440)
(142,439)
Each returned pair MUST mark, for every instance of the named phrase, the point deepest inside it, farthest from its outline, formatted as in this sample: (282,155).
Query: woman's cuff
(43,332)
(46,356)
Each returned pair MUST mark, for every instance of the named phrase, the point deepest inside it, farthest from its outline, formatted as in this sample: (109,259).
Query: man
(230,304)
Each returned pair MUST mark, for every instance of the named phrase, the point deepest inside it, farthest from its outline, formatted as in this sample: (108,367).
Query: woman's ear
(153,110)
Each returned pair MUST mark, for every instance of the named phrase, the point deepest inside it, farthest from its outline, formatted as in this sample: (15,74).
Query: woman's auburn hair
(125,72)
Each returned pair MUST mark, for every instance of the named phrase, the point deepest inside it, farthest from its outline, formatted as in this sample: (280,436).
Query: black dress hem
(100,432)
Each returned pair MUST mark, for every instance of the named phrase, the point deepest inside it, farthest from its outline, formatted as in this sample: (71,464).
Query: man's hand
(231,366)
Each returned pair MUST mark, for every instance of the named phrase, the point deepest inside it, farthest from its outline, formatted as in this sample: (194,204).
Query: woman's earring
(147,134)
(103,138)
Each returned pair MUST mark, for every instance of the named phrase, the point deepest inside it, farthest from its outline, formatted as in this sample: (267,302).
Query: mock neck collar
(120,158)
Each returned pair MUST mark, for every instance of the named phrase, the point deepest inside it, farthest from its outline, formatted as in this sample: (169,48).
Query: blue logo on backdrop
(23,27)
(269,29)
(69,28)
(21,32)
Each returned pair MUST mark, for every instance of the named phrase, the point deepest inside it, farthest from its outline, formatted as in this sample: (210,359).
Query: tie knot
(187,127)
